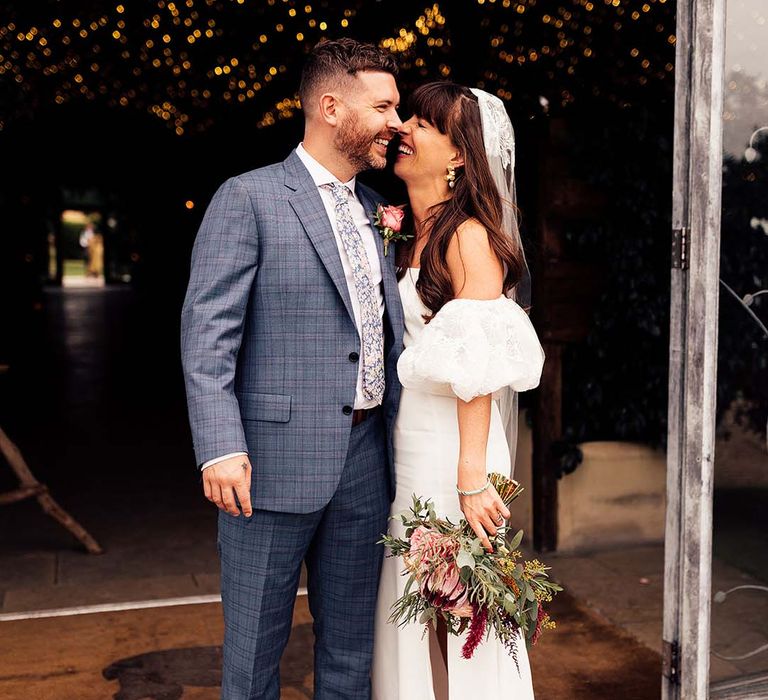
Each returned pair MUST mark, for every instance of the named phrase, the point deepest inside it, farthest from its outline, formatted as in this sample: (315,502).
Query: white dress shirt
(321,176)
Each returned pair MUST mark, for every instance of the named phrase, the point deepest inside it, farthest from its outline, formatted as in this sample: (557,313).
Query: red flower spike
(476,631)
(539,619)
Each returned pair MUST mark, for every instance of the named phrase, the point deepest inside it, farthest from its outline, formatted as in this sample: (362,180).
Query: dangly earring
(451,176)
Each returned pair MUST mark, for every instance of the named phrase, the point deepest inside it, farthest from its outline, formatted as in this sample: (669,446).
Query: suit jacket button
(353,357)
(347,410)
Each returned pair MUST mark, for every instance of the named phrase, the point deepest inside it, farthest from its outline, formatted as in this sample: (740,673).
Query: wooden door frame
(696,212)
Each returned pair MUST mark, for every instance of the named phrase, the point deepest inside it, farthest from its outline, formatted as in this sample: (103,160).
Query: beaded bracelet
(475,491)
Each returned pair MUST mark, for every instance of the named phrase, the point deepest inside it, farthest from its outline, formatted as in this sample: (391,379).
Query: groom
(291,330)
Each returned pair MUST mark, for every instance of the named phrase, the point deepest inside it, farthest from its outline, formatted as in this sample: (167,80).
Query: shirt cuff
(211,462)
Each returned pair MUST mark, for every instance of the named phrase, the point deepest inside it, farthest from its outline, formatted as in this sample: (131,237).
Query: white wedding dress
(470,348)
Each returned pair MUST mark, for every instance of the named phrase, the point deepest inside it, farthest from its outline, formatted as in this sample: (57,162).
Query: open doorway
(82,248)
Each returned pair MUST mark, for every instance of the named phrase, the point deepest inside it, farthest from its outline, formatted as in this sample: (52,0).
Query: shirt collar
(319,173)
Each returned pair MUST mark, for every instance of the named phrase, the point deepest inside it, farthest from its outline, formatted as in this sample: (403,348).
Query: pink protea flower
(462,607)
(418,536)
(429,547)
(432,557)
(443,588)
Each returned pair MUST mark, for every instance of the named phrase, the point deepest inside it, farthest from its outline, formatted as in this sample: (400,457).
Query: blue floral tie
(372,330)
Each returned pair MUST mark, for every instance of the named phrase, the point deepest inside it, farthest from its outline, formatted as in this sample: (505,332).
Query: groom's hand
(224,481)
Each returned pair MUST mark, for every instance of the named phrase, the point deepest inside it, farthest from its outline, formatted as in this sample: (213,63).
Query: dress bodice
(413,308)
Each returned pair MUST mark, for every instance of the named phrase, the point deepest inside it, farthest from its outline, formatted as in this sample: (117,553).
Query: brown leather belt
(361,414)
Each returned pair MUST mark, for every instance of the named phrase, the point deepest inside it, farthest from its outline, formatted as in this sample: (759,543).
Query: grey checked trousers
(261,560)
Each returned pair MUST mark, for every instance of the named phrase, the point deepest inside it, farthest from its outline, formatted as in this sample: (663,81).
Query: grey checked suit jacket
(266,336)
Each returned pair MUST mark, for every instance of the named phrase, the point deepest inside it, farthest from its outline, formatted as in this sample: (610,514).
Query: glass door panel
(739,622)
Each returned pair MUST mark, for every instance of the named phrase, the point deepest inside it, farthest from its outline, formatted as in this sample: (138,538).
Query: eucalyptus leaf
(465,558)
(428,616)
(533,612)
(516,540)
(529,594)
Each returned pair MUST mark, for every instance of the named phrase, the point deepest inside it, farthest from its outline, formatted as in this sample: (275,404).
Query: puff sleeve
(474,347)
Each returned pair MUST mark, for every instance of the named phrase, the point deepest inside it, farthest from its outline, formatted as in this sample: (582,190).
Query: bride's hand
(485,512)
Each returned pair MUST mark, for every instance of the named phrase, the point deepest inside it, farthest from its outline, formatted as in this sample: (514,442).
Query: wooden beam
(547,426)
(20,494)
(693,348)
(30,487)
(566,300)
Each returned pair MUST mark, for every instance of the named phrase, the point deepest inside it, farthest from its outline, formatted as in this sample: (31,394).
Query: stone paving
(625,587)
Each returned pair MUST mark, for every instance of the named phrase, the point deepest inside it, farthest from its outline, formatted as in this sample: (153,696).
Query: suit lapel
(388,276)
(308,205)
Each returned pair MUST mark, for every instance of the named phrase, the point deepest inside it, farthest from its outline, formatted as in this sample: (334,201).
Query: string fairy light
(180,61)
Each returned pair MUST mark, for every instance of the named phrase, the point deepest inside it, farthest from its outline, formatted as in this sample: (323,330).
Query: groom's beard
(356,145)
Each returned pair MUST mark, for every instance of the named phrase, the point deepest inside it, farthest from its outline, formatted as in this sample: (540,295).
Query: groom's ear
(329,106)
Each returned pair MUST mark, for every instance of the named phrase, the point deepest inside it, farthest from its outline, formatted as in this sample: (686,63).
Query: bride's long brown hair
(453,110)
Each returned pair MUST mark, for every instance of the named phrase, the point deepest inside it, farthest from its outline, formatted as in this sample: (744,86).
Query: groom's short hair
(330,62)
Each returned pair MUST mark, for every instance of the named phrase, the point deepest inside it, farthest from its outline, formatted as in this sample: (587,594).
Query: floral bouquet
(454,578)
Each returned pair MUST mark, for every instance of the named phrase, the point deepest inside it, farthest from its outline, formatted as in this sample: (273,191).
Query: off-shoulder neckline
(501,296)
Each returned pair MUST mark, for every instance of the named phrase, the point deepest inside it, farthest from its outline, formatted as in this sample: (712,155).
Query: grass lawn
(74,268)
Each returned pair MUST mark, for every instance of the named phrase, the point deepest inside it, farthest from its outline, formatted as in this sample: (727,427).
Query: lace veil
(499,142)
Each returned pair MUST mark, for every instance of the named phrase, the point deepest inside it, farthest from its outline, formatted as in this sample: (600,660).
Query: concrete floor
(96,404)
(625,588)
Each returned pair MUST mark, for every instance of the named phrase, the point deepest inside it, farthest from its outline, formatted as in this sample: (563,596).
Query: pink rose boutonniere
(389,221)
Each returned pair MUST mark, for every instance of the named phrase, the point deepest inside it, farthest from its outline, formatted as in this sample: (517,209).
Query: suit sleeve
(224,264)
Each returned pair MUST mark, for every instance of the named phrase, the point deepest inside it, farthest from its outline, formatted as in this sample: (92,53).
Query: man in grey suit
(291,330)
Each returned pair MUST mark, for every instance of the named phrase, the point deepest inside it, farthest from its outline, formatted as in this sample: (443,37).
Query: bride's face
(424,154)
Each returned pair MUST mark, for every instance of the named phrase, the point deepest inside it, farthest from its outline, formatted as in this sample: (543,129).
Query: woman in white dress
(467,343)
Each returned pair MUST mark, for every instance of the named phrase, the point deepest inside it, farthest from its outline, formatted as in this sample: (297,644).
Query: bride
(469,348)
